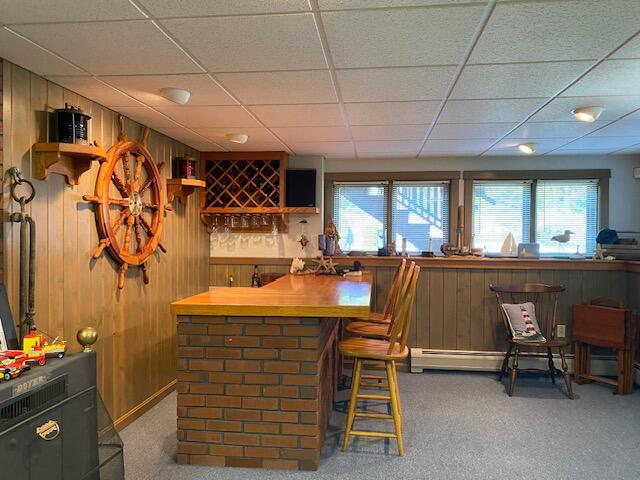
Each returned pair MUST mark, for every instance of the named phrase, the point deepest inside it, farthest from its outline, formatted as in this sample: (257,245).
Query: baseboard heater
(422,359)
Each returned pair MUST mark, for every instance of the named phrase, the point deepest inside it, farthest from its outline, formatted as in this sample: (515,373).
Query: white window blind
(499,208)
(360,214)
(420,210)
(567,205)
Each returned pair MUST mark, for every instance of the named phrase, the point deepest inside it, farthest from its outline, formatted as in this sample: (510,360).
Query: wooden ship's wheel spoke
(119,184)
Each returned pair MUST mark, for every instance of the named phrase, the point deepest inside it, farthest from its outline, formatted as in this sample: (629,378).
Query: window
(419,210)
(562,215)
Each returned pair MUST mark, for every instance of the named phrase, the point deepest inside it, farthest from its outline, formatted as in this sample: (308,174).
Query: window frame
(452,177)
(602,175)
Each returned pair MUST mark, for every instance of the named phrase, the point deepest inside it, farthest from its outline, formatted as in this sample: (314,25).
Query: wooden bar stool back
(545,299)
(392,297)
(389,351)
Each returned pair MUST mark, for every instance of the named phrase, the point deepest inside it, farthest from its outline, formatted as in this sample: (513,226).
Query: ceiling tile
(206,147)
(256,134)
(30,56)
(394,84)
(146,88)
(631,150)
(37,11)
(444,34)
(298,115)
(147,116)
(390,146)
(593,142)
(388,132)
(450,147)
(95,90)
(391,113)
(455,131)
(312,134)
(630,50)
(256,146)
(183,135)
(547,31)
(634,116)
(559,109)
(201,8)
(251,43)
(323,148)
(264,88)
(568,151)
(621,128)
(613,77)
(521,80)
(141,47)
(201,116)
(481,111)
(554,129)
(353,4)
(543,145)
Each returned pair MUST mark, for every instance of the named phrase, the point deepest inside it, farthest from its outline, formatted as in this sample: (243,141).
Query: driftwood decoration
(129,188)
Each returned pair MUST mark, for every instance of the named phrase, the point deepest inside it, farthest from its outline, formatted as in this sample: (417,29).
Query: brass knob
(86,337)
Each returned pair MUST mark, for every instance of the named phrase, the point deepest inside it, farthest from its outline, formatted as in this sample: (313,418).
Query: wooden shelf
(181,188)
(68,159)
(301,210)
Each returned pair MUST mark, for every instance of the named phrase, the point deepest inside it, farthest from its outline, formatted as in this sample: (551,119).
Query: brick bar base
(255,391)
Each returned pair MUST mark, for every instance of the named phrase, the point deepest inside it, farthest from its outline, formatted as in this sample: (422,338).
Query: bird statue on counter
(564,238)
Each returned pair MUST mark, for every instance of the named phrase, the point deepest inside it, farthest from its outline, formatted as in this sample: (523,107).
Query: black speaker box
(301,188)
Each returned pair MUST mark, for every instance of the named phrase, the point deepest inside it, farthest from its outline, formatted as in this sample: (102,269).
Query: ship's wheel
(128,203)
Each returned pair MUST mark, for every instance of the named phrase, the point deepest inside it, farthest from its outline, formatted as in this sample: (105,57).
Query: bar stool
(389,351)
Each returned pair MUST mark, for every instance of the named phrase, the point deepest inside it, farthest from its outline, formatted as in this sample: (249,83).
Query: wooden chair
(545,299)
(377,330)
(389,351)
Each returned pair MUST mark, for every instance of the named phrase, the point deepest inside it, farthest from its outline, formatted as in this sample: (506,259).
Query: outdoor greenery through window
(419,210)
(560,215)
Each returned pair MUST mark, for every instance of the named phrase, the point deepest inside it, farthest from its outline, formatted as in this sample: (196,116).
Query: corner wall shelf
(181,188)
(68,159)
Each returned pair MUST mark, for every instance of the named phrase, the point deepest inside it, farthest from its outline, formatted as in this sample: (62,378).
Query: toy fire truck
(36,343)
(12,364)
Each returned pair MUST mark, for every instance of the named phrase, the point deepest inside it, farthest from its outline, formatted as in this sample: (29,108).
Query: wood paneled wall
(137,334)
(454,309)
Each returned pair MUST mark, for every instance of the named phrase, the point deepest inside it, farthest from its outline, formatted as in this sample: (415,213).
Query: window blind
(420,211)
(499,208)
(563,205)
(360,214)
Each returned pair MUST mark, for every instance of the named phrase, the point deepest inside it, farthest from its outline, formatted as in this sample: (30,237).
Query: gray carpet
(457,426)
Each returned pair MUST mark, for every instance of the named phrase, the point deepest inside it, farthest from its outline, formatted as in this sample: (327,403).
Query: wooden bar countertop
(288,296)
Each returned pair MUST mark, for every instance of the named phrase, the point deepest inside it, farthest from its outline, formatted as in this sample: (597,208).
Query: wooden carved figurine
(129,205)
(332,232)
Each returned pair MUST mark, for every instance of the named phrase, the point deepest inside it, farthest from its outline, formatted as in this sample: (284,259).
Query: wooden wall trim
(536,174)
(144,406)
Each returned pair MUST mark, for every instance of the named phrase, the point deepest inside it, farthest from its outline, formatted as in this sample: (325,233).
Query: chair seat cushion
(553,343)
(371,349)
(369,330)
(522,322)
(375,317)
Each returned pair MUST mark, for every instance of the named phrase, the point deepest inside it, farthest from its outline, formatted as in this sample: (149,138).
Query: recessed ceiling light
(527,148)
(237,137)
(587,114)
(176,95)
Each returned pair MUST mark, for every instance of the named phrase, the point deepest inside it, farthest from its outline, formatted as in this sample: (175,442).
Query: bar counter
(257,370)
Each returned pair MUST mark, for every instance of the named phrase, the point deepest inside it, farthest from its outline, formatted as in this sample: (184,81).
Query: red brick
(310,442)
(242,415)
(206,437)
(262,330)
(300,331)
(310,342)
(182,459)
(205,341)
(208,460)
(243,462)
(242,341)
(299,355)
(308,368)
(182,387)
(300,453)
(181,434)
(223,401)
(191,329)
(282,321)
(224,426)
(308,392)
(306,430)
(261,379)
(190,424)
(183,412)
(280,342)
(204,412)
(207,365)
(298,405)
(182,364)
(225,377)
(262,428)
(207,388)
(281,392)
(242,320)
(223,353)
(234,450)
(299,379)
(243,390)
(190,352)
(225,330)
(282,417)
(309,418)
(260,403)
(192,448)
(280,464)
(192,377)
(241,439)
(183,340)
(242,365)
(206,319)
(260,353)
(261,452)
(281,367)
(185,400)
(309,464)
(279,441)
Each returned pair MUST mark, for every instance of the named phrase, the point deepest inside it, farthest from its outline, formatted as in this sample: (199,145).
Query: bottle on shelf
(255,278)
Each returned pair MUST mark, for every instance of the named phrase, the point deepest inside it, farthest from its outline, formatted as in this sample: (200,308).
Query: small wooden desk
(616,328)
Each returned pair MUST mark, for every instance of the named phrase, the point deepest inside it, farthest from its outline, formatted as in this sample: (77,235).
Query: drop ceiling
(349,78)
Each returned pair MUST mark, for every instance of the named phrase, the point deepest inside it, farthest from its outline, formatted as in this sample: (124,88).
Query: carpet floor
(458,425)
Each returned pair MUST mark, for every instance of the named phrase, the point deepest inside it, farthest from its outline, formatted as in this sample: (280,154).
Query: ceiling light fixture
(587,114)
(237,137)
(527,148)
(176,95)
